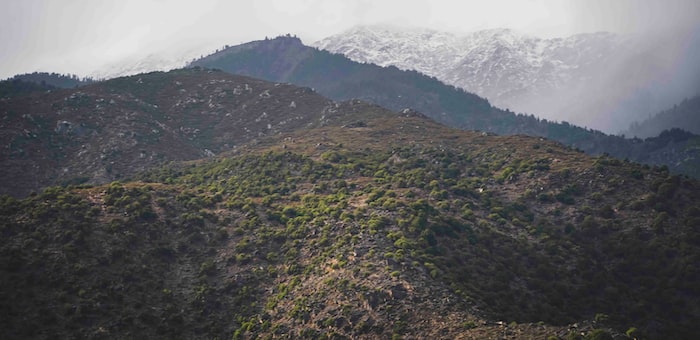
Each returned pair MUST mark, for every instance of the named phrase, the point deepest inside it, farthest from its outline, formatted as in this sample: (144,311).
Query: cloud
(45,34)
(631,16)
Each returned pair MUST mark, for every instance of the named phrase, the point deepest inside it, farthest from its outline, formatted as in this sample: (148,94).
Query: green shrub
(598,334)
(289,212)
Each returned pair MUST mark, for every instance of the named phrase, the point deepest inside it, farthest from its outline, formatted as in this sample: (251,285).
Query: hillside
(388,226)
(286,59)
(685,115)
(113,129)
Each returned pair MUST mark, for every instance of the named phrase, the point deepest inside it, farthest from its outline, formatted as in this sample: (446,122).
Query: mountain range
(239,208)
(599,80)
(275,190)
(286,59)
(99,133)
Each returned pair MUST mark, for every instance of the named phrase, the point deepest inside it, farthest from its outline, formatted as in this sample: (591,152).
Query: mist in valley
(646,75)
(654,68)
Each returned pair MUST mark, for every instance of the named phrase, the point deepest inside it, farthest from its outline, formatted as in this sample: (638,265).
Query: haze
(83,36)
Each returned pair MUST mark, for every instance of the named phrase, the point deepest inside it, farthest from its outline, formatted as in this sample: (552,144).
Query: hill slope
(286,59)
(113,129)
(390,226)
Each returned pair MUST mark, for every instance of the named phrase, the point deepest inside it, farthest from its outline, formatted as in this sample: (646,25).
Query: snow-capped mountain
(587,79)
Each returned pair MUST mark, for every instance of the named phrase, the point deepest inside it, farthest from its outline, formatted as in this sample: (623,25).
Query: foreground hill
(113,129)
(386,226)
(286,59)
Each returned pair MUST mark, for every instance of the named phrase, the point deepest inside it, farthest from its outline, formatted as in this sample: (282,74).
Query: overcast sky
(83,36)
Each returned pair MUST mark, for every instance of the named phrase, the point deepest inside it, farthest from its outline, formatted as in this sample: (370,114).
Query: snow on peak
(511,69)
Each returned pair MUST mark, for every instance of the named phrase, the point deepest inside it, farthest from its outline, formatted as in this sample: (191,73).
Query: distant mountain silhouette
(685,115)
(65,81)
(286,59)
(16,87)
(24,84)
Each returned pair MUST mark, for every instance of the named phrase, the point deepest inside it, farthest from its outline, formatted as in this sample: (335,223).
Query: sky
(88,37)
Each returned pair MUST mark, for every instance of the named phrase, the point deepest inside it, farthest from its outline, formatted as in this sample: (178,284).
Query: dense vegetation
(389,227)
(286,59)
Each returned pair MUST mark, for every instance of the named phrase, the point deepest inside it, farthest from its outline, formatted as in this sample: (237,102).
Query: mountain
(113,129)
(25,84)
(685,115)
(600,80)
(500,64)
(286,59)
(53,79)
(332,220)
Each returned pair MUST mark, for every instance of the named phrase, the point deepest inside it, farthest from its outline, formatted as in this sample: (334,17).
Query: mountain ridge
(286,59)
